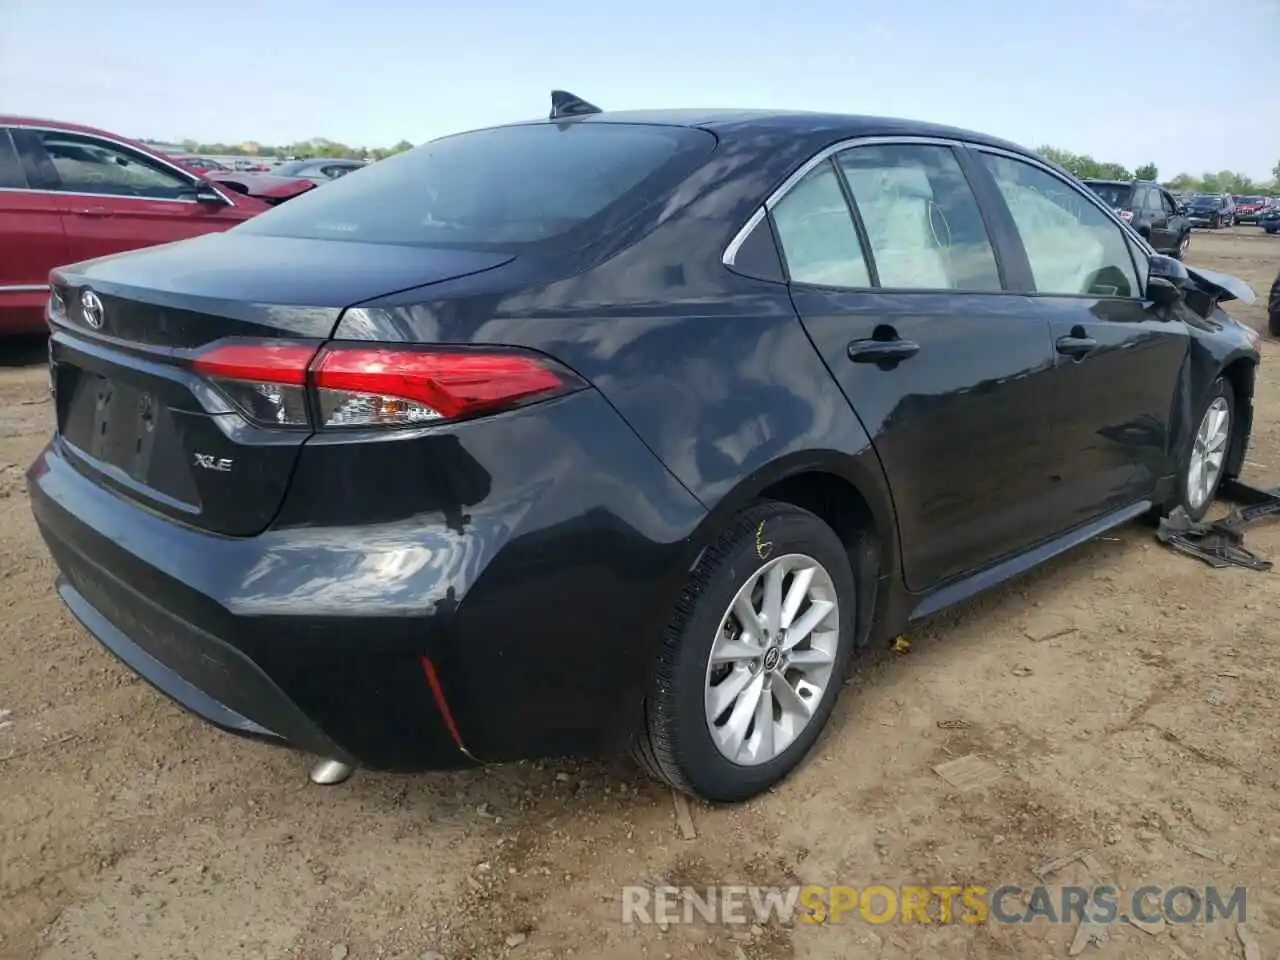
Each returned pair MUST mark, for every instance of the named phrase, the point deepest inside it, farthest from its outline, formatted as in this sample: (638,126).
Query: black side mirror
(1167,280)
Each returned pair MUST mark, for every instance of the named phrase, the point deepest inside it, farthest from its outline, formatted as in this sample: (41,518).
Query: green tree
(1148,171)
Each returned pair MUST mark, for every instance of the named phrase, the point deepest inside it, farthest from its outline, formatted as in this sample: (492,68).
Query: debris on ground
(900,644)
(969,772)
(516,939)
(1056,864)
(1200,851)
(1251,949)
(684,819)
(954,724)
(1022,670)
(1215,698)
(1045,625)
(339,951)
(1150,927)
(1220,543)
(1087,933)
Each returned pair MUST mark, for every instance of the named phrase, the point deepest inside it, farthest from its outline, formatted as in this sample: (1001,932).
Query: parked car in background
(1150,209)
(737,392)
(1212,210)
(1248,209)
(1269,220)
(319,170)
(198,164)
(70,193)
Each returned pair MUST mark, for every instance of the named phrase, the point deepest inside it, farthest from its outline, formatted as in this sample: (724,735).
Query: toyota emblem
(91,305)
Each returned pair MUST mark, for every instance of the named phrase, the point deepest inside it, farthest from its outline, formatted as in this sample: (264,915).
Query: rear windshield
(1115,195)
(1206,201)
(502,186)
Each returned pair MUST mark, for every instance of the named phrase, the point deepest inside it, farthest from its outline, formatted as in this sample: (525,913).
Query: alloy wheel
(772,660)
(1208,451)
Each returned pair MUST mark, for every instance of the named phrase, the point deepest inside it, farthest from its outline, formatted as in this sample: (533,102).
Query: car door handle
(1076,346)
(880,351)
(92,211)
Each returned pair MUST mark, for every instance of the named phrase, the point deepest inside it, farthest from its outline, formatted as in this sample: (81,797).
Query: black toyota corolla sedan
(614,430)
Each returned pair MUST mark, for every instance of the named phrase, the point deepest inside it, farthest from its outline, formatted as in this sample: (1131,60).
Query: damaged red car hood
(264,186)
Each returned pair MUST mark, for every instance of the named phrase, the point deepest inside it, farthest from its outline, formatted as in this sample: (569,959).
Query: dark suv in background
(1212,210)
(1150,210)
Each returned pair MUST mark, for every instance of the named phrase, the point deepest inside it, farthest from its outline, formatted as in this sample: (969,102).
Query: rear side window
(1118,195)
(922,221)
(817,234)
(504,186)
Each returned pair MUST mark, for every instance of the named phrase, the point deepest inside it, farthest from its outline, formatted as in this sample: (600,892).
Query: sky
(1190,85)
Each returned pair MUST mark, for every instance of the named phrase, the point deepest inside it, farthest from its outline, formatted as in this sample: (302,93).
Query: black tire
(674,743)
(1180,248)
(1219,388)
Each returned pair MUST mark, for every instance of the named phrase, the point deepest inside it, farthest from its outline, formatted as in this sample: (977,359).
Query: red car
(70,193)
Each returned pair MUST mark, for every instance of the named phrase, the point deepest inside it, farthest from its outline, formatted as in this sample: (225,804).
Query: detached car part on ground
(626,433)
(70,193)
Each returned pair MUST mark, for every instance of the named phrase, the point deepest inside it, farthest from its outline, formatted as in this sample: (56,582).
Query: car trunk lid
(136,415)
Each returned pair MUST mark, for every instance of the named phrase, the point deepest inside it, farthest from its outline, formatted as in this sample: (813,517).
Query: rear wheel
(754,658)
(1180,251)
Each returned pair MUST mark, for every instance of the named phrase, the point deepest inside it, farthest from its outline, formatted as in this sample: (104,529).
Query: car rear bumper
(505,607)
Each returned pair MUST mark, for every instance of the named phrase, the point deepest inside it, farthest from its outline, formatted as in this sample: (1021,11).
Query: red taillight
(291,384)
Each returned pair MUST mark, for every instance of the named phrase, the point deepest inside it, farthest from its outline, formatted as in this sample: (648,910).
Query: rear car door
(1157,217)
(113,198)
(897,284)
(1118,358)
(32,243)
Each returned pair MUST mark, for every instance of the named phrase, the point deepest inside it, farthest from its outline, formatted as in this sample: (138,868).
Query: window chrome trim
(183,174)
(24,288)
(823,155)
(731,251)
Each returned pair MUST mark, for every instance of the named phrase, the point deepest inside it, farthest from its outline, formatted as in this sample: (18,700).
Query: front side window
(85,164)
(497,188)
(815,228)
(922,221)
(1074,248)
(1170,208)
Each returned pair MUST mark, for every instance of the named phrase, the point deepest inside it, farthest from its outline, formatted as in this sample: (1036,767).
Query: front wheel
(754,658)
(1204,459)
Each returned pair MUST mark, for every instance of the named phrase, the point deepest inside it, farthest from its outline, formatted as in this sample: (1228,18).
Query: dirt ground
(1147,736)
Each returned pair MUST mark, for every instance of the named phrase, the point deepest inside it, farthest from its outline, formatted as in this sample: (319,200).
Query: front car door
(113,198)
(1111,396)
(896,280)
(32,243)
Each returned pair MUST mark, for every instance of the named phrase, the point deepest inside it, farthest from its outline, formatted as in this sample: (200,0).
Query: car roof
(735,123)
(14,121)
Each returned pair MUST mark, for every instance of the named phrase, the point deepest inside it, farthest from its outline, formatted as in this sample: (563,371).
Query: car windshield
(1113,194)
(1253,200)
(1205,202)
(498,187)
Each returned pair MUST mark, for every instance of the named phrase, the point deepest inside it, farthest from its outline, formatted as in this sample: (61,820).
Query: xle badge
(206,462)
